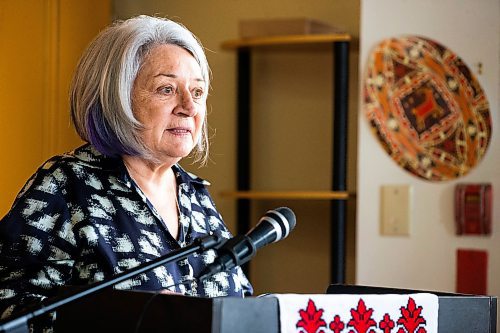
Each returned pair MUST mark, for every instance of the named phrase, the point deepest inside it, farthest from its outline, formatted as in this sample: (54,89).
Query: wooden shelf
(338,44)
(293,195)
(285,40)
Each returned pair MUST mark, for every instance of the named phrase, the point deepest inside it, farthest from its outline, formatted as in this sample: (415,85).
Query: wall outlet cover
(395,210)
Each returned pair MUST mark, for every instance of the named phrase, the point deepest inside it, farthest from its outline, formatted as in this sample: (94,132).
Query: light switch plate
(395,210)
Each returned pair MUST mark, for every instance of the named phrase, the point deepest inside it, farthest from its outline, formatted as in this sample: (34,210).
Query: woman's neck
(146,172)
(159,185)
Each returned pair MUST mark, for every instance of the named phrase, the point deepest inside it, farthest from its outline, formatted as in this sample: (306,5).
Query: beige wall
(292,141)
(41,42)
(426,259)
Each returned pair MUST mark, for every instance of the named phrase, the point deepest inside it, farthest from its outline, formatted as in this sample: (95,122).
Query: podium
(119,311)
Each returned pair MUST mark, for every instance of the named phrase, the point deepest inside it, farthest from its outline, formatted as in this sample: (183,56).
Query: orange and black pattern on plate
(426,108)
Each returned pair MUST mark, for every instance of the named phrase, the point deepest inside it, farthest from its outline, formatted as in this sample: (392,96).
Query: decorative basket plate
(426,108)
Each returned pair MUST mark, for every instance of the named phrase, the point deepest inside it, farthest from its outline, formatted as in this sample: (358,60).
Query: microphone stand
(19,323)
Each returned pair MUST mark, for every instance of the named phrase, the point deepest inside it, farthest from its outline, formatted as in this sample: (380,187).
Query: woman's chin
(173,154)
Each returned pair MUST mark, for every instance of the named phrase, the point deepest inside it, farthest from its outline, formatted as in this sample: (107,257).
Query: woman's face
(169,99)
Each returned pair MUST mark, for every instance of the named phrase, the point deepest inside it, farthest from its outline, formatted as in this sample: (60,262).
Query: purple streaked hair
(102,137)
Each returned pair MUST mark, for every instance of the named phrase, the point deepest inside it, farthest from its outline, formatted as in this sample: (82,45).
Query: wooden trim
(293,195)
(285,40)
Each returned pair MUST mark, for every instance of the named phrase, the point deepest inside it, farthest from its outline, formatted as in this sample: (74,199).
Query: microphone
(275,225)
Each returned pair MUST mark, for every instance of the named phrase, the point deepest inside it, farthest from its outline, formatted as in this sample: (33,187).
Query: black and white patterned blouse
(80,219)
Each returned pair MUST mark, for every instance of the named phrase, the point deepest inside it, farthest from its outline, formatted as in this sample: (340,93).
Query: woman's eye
(197,93)
(168,90)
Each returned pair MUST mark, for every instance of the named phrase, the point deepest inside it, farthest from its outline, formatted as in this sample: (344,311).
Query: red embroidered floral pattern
(337,325)
(362,318)
(361,321)
(311,319)
(411,318)
(386,324)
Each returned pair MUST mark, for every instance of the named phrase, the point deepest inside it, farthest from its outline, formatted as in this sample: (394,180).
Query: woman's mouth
(179,131)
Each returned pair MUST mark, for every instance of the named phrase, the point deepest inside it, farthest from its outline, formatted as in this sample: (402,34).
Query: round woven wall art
(426,108)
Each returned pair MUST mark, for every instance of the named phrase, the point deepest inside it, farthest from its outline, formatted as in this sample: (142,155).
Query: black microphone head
(275,225)
(283,219)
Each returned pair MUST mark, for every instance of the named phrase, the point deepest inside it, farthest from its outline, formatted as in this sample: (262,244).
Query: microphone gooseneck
(274,226)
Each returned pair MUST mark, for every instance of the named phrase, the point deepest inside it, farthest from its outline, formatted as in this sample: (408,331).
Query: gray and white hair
(100,93)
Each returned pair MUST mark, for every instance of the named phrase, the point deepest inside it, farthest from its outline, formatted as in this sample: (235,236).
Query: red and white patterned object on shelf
(413,313)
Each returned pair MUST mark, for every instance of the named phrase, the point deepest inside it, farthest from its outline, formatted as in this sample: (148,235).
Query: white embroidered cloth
(318,313)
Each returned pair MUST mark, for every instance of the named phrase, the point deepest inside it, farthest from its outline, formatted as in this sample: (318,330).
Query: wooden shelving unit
(287,195)
(338,195)
(285,40)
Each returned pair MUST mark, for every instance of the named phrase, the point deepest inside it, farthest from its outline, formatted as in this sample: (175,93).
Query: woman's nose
(186,106)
